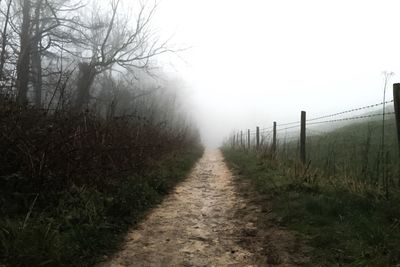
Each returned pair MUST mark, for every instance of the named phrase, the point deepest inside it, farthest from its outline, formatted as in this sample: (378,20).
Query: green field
(345,202)
(351,152)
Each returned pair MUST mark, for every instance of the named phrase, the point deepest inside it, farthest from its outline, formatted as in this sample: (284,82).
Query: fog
(249,63)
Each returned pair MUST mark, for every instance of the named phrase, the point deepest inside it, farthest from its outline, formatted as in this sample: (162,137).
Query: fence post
(274,138)
(303,138)
(241,139)
(257,137)
(248,139)
(396,98)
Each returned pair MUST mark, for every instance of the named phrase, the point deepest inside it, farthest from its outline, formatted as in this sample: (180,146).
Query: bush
(71,184)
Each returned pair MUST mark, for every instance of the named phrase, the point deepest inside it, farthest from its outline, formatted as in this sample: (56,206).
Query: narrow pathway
(200,224)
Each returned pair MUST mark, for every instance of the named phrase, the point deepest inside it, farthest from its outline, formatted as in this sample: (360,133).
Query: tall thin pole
(241,139)
(274,138)
(257,137)
(384,178)
(396,98)
(248,139)
(387,77)
(303,138)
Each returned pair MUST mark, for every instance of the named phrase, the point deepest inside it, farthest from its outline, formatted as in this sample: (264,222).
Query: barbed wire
(351,118)
(268,128)
(296,124)
(261,131)
(351,110)
(287,128)
(267,131)
(287,124)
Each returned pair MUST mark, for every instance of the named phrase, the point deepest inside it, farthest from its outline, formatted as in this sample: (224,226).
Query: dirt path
(205,222)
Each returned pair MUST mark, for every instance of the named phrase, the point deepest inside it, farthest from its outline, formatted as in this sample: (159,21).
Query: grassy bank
(79,226)
(347,225)
(353,150)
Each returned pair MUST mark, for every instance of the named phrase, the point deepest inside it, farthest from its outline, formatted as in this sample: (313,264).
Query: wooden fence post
(396,98)
(248,139)
(303,138)
(257,137)
(274,138)
(241,139)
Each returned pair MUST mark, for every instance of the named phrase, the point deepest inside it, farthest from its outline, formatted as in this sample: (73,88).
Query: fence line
(352,118)
(303,123)
(271,129)
(352,110)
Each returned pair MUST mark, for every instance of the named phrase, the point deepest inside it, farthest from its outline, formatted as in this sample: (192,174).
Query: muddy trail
(208,221)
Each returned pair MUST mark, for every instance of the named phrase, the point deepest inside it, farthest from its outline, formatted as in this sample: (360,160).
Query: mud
(208,221)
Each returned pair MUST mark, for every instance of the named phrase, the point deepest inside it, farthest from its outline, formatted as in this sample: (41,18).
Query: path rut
(205,221)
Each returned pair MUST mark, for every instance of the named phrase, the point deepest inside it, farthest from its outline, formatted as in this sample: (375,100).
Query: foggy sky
(252,62)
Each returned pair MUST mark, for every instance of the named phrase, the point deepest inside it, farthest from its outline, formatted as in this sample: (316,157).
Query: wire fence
(361,142)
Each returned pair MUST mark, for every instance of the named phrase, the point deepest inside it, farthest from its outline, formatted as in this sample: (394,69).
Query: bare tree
(55,24)
(36,54)
(114,42)
(42,26)
(4,38)
(24,56)
(47,30)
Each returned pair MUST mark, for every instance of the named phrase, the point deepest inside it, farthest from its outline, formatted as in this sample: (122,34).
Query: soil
(211,219)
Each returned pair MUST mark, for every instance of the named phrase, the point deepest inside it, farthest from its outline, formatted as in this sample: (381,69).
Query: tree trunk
(4,42)
(24,56)
(36,57)
(87,73)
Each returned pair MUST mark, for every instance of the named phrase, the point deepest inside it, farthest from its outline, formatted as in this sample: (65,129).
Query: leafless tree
(115,43)
(36,54)
(25,51)
(54,25)
(46,33)
(41,28)
(4,38)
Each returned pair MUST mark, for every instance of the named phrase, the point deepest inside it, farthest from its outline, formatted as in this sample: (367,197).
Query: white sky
(256,61)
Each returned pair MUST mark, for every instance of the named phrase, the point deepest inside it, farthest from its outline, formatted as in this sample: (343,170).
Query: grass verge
(79,227)
(345,227)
